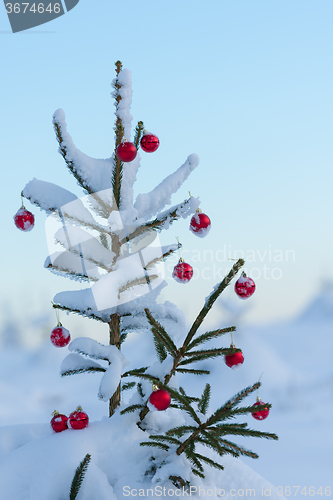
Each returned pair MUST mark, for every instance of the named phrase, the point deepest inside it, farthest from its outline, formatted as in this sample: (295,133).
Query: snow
(47,195)
(96,173)
(297,380)
(125,91)
(150,203)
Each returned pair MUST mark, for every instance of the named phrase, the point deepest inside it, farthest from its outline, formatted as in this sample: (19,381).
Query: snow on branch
(148,204)
(47,196)
(92,174)
(75,363)
(78,242)
(124,80)
(111,379)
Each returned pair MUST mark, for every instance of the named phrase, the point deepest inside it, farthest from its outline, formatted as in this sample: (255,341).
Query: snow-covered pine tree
(110,241)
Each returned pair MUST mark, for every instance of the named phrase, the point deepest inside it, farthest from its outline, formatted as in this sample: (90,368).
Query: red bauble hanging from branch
(60,336)
(126,151)
(149,142)
(24,220)
(262,414)
(182,272)
(59,422)
(234,360)
(78,419)
(161,399)
(245,286)
(200,224)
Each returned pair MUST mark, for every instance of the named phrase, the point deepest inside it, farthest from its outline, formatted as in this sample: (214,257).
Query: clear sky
(246,84)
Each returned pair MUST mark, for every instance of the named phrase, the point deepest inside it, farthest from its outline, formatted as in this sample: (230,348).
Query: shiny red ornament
(182,272)
(234,360)
(126,151)
(160,399)
(245,287)
(262,414)
(149,142)
(60,336)
(24,220)
(200,224)
(59,422)
(78,419)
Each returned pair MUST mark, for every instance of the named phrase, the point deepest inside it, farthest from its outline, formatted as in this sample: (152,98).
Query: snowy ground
(295,359)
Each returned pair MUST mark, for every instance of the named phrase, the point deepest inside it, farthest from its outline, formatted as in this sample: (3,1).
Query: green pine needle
(204,401)
(86,369)
(79,476)
(205,337)
(153,444)
(128,385)
(131,409)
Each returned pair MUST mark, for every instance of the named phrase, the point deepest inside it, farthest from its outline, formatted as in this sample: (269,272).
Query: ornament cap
(79,408)
(59,324)
(155,387)
(198,211)
(55,413)
(258,399)
(181,260)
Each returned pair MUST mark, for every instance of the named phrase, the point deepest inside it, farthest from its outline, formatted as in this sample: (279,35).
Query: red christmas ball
(24,220)
(234,360)
(160,399)
(262,414)
(245,287)
(60,337)
(78,419)
(149,143)
(126,151)
(59,422)
(200,224)
(182,272)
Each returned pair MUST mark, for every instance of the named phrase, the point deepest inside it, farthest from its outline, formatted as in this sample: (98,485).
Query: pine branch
(192,370)
(153,444)
(90,369)
(238,449)
(137,134)
(138,281)
(135,373)
(205,337)
(157,223)
(209,461)
(227,408)
(128,385)
(131,409)
(164,256)
(72,168)
(86,313)
(204,401)
(171,440)
(212,298)
(159,348)
(67,273)
(79,476)
(224,429)
(74,251)
(117,171)
(195,356)
(181,430)
(161,334)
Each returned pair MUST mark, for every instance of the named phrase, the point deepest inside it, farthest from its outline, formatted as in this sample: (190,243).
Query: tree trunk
(114,340)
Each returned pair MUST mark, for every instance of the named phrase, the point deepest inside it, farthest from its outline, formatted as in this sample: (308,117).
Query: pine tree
(109,241)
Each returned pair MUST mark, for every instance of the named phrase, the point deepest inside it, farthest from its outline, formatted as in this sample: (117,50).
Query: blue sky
(246,85)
